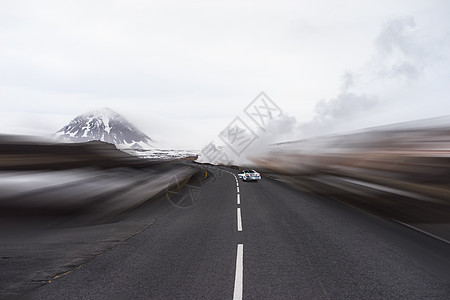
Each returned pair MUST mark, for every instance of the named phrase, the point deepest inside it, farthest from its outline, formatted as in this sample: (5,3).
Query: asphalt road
(271,242)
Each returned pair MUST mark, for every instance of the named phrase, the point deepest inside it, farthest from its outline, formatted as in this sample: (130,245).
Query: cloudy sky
(183,70)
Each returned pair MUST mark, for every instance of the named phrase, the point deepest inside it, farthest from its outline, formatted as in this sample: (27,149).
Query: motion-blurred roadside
(401,172)
(93,180)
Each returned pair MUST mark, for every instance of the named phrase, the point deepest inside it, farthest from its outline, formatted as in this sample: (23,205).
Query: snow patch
(162,154)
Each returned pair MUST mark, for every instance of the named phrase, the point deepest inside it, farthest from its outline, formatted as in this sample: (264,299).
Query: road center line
(239,219)
(237,189)
(238,279)
(238,199)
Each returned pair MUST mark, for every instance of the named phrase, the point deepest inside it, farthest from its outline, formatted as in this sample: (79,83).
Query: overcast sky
(183,70)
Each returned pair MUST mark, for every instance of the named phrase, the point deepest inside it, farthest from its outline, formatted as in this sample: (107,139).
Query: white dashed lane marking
(239,276)
(239,219)
(238,279)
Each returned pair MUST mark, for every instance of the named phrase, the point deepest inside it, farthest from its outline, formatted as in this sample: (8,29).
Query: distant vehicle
(248,175)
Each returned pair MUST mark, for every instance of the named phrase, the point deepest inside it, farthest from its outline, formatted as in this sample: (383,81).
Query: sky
(182,71)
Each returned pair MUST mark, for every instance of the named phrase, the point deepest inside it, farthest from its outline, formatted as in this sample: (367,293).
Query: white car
(248,175)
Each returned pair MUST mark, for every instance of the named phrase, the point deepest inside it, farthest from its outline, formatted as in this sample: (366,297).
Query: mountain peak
(104,125)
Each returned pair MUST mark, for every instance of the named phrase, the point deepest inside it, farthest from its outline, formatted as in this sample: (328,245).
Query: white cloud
(198,64)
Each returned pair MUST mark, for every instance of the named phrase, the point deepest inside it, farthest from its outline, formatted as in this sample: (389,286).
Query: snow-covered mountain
(107,126)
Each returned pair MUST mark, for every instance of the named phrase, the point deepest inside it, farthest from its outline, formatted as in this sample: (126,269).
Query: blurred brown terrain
(95,179)
(28,153)
(400,172)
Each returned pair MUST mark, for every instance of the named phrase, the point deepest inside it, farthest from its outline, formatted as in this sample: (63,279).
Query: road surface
(229,239)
